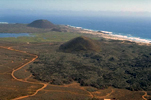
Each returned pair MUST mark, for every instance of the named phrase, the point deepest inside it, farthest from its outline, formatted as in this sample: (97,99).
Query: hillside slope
(41,24)
(80,44)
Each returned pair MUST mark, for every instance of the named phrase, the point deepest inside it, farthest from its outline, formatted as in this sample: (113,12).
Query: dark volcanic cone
(80,44)
(41,24)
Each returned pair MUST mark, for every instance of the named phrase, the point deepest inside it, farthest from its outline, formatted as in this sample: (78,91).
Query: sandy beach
(109,35)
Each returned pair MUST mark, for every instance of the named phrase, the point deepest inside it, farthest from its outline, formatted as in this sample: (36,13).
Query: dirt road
(21,80)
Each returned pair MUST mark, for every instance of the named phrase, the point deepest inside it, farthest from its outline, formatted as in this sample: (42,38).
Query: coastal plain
(57,92)
(19,55)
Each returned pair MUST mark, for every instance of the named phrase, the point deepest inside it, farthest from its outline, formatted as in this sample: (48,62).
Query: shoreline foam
(110,35)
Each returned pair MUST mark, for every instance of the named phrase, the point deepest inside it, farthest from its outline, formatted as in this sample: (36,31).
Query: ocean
(131,27)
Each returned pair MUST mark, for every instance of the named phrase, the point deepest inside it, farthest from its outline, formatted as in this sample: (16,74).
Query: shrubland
(121,64)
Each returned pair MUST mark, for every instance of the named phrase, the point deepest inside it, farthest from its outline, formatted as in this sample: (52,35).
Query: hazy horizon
(76,7)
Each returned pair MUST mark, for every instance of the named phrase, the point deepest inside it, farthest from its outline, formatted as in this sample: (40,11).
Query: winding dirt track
(25,80)
(21,80)
(91,95)
(46,84)
(105,95)
(144,95)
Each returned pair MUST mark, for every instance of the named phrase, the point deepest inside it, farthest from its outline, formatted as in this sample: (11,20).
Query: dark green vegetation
(121,64)
(80,44)
(57,92)
(42,24)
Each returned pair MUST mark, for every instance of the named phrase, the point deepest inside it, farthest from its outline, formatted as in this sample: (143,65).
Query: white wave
(135,39)
(79,27)
(106,32)
(3,22)
(128,37)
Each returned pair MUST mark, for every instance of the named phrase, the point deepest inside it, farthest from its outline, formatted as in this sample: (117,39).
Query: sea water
(131,27)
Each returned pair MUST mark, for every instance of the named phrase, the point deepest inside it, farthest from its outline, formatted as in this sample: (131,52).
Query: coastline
(110,35)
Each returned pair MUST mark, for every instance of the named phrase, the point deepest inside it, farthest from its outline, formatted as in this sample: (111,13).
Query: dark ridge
(41,24)
(80,44)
